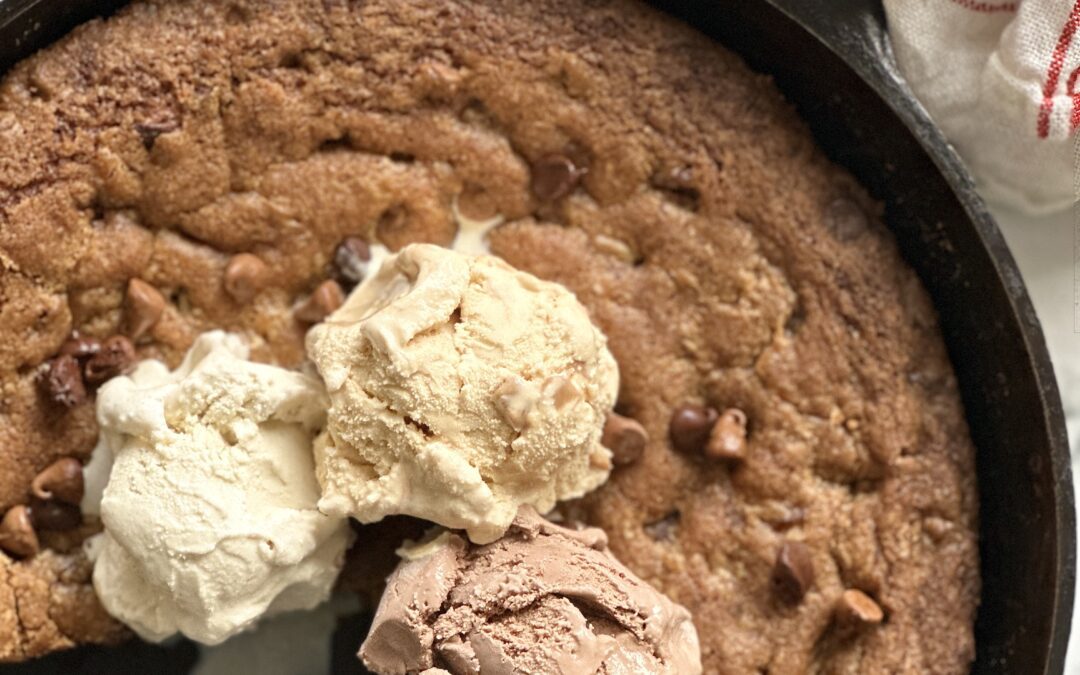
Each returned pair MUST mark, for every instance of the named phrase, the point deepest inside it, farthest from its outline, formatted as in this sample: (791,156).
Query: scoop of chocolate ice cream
(543,599)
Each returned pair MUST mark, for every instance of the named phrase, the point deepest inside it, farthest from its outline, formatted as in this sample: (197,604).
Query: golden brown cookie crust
(729,263)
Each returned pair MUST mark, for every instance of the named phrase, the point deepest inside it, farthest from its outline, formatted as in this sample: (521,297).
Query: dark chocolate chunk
(63,381)
(793,573)
(690,426)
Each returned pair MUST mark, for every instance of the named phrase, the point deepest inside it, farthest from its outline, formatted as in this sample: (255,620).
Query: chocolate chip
(690,426)
(150,130)
(625,437)
(143,305)
(63,381)
(62,480)
(80,347)
(727,441)
(856,608)
(793,573)
(321,303)
(245,276)
(117,356)
(17,536)
(351,259)
(554,177)
(51,515)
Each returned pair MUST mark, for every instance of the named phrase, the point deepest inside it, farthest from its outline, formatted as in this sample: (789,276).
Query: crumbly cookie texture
(642,166)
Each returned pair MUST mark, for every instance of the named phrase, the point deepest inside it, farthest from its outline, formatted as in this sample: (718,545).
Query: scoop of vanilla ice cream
(210,507)
(460,388)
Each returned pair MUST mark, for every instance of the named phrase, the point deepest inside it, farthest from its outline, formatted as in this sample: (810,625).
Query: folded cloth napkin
(1000,77)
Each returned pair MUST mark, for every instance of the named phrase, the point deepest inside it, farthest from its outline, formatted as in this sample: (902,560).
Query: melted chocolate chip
(117,356)
(52,515)
(80,347)
(554,177)
(63,382)
(625,437)
(793,573)
(351,259)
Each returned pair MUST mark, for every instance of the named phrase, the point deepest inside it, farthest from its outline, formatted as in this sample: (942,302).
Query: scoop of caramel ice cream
(460,389)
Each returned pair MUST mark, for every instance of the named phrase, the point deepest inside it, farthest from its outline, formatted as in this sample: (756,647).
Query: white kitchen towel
(1000,77)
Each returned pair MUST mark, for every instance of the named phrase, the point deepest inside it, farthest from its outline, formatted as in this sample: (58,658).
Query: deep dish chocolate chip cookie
(791,458)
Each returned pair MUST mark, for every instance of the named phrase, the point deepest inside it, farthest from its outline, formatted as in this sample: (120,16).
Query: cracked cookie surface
(728,262)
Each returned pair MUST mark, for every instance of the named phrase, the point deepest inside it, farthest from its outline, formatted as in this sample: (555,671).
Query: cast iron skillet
(831,58)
